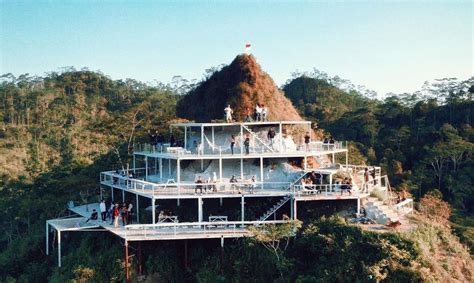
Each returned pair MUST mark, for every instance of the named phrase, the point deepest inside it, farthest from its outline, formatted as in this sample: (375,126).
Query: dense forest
(59,131)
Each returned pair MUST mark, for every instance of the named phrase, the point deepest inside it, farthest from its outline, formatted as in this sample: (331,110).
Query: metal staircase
(258,138)
(277,206)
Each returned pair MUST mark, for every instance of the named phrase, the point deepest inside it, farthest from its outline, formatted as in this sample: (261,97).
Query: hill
(242,84)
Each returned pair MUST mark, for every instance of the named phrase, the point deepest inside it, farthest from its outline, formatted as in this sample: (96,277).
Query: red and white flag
(248,45)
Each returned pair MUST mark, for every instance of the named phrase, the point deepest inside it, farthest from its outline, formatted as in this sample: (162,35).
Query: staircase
(272,210)
(295,182)
(380,212)
(322,162)
(258,138)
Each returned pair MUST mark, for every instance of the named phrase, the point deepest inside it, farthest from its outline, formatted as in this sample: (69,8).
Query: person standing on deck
(271,135)
(116,215)
(198,185)
(129,213)
(172,140)
(307,140)
(103,209)
(264,113)
(228,114)
(232,144)
(248,115)
(247,144)
(258,113)
(366,179)
(152,141)
(123,212)
(253,185)
(160,140)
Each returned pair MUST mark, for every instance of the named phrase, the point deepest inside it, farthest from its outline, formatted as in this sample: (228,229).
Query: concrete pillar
(242,204)
(153,211)
(127,274)
(47,238)
(185,137)
(59,248)
(241,168)
(146,168)
(178,173)
(280,129)
(358,205)
(261,172)
(200,218)
(220,169)
(161,169)
(137,208)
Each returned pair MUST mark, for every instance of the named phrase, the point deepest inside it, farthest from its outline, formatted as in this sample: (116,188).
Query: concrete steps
(380,212)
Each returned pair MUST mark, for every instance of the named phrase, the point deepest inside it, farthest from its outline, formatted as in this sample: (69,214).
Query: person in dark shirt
(247,144)
(271,135)
(307,140)
(152,137)
(172,140)
(94,215)
(199,185)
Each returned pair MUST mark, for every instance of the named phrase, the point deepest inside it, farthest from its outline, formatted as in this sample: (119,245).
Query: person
(116,215)
(199,185)
(248,115)
(253,185)
(160,140)
(258,112)
(228,114)
(94,216)
(124,213)
(152,137)
(366,179)
(103,209)
(129,213)
(214,181)
(110,212)
(232,182)
(264,113)
(232,144)
(172,140)
(271,135)
(307,140)
(196,146)
(346,186)
(372,173)
(247,144)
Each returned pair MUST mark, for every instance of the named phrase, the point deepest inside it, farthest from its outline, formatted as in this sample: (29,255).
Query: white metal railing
(228,227)
(404,207)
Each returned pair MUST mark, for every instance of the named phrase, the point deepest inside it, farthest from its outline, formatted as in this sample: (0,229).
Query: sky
(388,46)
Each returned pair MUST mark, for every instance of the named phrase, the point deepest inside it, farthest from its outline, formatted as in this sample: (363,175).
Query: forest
(59,131)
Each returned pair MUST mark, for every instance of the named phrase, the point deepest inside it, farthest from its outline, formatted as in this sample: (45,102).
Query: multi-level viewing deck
(276,163)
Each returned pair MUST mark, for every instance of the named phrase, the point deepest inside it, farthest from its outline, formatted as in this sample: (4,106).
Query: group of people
(260,114)
(124,210)
(156,140)
(209,185)
(312,181)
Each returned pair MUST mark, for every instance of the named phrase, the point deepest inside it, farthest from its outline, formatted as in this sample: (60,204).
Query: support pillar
(358,205)
(212,128)
(169,168)
(333,159)
(261,172)
(123,195)
(347,157)
(202,139)
(280,129)
(140,258)
(134,165)
(47,238)
(242,204)
(161,169)
(295,213)
(146,168)
(112,194)
(138,209)
(241,169)
(178,173)
(127,274)
(220,169)
(199,209)
(292,207)
(305,165)
(185,137)
(59,248)
(155,159)
(241,139)
(330,183)
(153,210)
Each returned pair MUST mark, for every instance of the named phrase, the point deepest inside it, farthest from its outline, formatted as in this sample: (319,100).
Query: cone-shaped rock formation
(242,84)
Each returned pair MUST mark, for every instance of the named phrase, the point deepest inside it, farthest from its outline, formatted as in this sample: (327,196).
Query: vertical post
(161,169)
(178,173)
(138,209)
(305,165)
(202,138)
(241,139)
(347,156)
(146,168)
(358,205)
(169,168)
(280,129)
(47,238)
(155,159)
(123,195)
(153,210)
(112,194)
(220,169)
(212,138)
(199,209)
(330,182)
(134,165)
(140,258)
(333,160)
(59,248)
(292,207)
(261,173)
(241,169)
(127,275)
(242,206)
(185,137)
(295,213)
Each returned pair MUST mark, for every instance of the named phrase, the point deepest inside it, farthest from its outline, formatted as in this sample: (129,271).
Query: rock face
(242,84)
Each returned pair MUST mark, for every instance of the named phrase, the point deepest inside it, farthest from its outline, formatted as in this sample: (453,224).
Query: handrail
(203,224)
(404,207)
(258,138)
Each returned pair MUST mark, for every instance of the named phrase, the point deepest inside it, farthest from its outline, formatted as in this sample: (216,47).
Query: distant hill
(242,84)
(316,98)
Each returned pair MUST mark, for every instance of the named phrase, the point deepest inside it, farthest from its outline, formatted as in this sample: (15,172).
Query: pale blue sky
(387,46)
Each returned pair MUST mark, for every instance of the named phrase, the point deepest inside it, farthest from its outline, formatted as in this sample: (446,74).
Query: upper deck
(201,141)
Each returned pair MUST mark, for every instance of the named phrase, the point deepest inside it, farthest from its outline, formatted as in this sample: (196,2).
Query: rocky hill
(242,84)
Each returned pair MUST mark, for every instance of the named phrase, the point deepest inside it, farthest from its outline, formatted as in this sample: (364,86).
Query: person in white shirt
(264,113)
(258,112)
(130,213)
(103,210)
(228,114)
